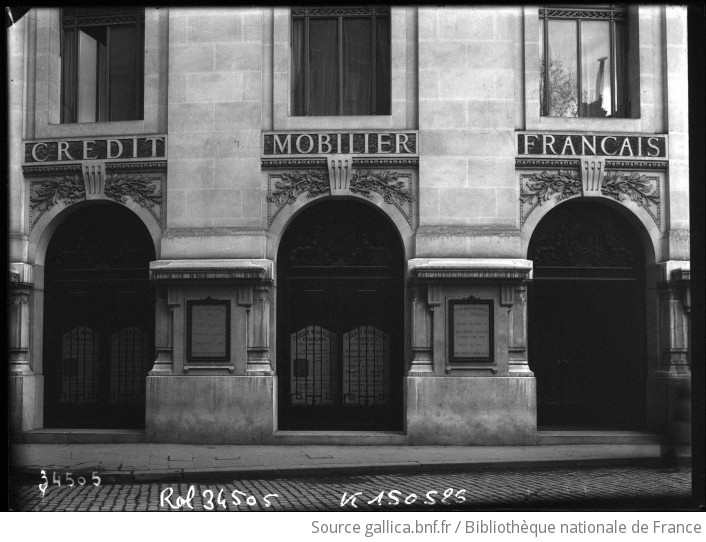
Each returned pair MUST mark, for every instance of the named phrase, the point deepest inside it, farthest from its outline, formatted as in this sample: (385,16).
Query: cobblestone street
(624,488)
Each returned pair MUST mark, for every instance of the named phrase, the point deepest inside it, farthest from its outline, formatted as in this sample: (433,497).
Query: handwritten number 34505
(69,480)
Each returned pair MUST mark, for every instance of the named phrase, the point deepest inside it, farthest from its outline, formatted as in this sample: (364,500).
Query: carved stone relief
(144,190)
(395,188)
(540,187)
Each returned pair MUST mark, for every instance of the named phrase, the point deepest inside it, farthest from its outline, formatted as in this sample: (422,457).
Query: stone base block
(492,411)
(669,407)
(26,404)
(210,409)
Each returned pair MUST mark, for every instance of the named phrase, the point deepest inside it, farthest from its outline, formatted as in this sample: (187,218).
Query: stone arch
(642,223)
(95,291)
(287,215)
(43,229)
(340,313)
(591,327)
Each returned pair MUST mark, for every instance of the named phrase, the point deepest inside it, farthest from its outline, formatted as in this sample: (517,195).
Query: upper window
(102,56)
(341,61)
(583,70)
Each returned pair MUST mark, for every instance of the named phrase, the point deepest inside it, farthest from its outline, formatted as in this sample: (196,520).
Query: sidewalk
(140,462)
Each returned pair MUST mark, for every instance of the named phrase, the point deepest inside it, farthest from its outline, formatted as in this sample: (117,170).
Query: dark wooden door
(99,321)
(340,347)
(587,326)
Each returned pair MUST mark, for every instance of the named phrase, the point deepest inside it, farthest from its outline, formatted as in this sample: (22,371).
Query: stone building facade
(401,225)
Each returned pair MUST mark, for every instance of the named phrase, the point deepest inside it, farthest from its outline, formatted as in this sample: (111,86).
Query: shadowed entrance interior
(587,319)
(340,327)
(98,320)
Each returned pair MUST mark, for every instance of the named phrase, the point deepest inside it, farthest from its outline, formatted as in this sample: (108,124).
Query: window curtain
(357,66)
(69,58)
(382,66)
(323,67)
(298,90)
(124,79)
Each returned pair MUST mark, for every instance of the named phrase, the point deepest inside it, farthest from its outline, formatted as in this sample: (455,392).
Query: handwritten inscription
(70,480)
(396,497)
(208,331)
(471,330)
(208,500)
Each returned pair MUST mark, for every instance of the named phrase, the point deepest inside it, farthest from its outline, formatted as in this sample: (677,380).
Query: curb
(25,474)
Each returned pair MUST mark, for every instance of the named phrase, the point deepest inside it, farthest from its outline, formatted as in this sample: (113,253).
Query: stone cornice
(289,163)
(76,168)
(66,169)
(564,163)
(668,270)
(436,231)
(209,270)
(205,232)
(441,269)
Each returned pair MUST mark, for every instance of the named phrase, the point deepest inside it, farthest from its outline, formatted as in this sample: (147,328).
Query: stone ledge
(470,268)
(21,273)
(667,269)
(198,270)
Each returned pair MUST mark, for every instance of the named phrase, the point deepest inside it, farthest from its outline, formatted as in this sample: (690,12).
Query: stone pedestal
(18,331)
(469,382)
(670,385)
(210,409)
(471,411)
(198,396)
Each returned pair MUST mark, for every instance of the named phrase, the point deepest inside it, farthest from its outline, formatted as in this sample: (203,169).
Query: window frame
(612,14)
(340,13)
(112,17)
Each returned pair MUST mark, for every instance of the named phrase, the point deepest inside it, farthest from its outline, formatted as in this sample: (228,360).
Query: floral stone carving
(71,188)
(642,189)
(137,187)
(538,188)
(290,186)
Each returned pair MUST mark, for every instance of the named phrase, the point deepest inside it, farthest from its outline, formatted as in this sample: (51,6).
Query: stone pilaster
(515,296)
(258,360)
(19,291)
(167,303)
(674,306)
(422,359)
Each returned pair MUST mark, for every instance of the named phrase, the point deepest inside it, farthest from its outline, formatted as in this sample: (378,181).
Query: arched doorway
(340,320)
(587,319)
(98,320)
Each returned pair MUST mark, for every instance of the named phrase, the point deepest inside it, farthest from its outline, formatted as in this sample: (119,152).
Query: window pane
(621,71)
(561,69)
(69,67)
(298,92)
(87,76)
(357,66)
(596,69)
(124,73)
(382,67)
(323,68)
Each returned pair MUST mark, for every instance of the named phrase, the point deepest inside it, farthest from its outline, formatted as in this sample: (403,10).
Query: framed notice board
(471,337)
(208,330)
